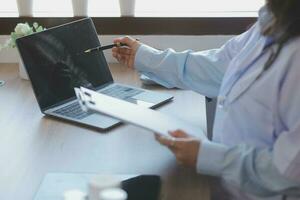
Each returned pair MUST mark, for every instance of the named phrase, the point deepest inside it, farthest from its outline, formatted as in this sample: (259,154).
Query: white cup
(80,8)
(127,7)
(25,8)
(74,195)
(113,194)
(100,183)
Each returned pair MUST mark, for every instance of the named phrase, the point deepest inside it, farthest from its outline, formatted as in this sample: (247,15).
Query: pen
(102,48)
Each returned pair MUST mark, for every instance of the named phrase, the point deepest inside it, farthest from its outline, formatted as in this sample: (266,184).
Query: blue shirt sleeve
(199,71)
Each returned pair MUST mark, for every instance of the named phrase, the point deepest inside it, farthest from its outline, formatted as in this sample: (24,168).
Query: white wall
(178,43)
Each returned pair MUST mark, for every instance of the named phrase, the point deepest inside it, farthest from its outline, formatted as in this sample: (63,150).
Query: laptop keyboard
(74,110)
(121,92)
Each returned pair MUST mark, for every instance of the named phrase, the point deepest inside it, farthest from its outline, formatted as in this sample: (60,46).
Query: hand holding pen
(123,49)
(126,54)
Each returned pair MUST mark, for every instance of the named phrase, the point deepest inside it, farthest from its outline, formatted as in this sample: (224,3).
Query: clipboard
(137,115)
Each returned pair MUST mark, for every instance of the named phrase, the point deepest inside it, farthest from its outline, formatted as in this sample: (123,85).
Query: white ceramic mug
(113,194)
(100,183)
(25,8)
(127,8)
(80,7)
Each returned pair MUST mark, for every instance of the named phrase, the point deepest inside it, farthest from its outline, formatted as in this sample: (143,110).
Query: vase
(127,8)
(25,8)
(80,8)
(22,71)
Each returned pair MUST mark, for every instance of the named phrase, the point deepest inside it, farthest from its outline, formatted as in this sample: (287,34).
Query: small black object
(102,48)
(144,187)
(2,83)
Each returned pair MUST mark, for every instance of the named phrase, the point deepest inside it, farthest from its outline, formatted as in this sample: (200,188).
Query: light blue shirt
(256,139)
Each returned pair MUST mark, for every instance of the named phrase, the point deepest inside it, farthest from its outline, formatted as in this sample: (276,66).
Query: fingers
(122,59)
(129,41)
(175,140)
(122,50)
(120,53)
(166,141)
(178,134)
(126,54)
(184,147)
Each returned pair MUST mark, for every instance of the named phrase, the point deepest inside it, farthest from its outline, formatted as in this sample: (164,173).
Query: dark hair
(286,25)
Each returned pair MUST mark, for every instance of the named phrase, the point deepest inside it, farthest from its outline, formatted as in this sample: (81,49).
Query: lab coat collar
(248,80)
(244,84)
(235,71)
(244,81)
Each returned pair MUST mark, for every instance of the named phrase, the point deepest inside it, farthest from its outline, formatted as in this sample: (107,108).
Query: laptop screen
(55,61)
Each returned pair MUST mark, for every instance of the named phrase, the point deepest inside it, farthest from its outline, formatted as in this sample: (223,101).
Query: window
(96,8)
(202,17)
(198,8)
(52,8)
(143,8)
(8,8)
(104,8)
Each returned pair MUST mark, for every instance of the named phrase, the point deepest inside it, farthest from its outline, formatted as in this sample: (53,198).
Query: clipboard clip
(83,98)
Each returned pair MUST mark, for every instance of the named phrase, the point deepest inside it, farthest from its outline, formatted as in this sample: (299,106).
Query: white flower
(22,29)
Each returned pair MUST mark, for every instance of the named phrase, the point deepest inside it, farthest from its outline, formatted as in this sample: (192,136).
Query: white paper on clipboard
(134,114)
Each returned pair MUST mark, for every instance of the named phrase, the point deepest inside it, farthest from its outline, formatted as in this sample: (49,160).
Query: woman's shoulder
(293,45)
(289,59)
(290,53)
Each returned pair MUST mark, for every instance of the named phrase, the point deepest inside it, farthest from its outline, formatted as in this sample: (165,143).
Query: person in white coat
(256,137)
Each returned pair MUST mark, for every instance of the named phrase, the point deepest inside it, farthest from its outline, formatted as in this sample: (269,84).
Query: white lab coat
(257,126)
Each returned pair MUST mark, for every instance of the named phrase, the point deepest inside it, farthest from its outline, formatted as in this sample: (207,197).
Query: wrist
(136,45)
(143,57)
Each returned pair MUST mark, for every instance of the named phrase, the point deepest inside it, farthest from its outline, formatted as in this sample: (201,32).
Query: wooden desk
(32,145)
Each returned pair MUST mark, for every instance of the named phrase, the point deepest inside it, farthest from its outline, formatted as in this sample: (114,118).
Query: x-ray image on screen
(55,64)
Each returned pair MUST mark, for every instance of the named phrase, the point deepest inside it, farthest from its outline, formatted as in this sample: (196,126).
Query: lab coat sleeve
(199,71)
(264,172)
(250,169)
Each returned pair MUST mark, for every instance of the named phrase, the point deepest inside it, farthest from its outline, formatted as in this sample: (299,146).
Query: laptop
(56,65)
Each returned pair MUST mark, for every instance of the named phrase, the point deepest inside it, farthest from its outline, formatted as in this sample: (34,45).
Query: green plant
(21,29)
